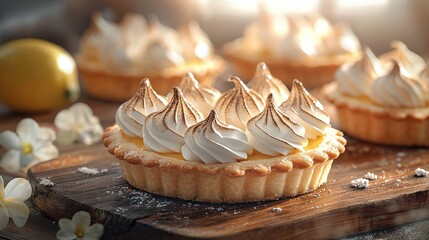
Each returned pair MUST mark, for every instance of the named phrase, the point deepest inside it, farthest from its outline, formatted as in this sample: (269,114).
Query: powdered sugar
(91,171)
(370,176)
(420,172)
(360,183)
(47,182)
(276,210)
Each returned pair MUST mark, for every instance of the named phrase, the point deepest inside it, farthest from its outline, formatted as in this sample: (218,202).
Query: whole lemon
(36,75)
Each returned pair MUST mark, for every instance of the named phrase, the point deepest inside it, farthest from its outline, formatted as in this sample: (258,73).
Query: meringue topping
(160,55)
(239,104)
(213,141)
(398,90)
(411,64)
(104,43)
(264,83)
(424,75)
(273,133)
(131,115)
(135,46)
(202,97)
(134,28)
(195,42)
(306,110)
(314,36)
(356,78)
(163,131)
(264,35)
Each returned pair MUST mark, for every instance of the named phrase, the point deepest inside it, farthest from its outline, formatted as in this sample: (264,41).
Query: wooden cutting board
(334,210)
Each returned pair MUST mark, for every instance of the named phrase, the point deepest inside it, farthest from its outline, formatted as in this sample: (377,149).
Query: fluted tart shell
(118,87)
(259,178)
(363,119)
(312,73)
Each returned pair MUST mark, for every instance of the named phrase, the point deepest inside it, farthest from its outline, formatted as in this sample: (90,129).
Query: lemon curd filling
(312,143)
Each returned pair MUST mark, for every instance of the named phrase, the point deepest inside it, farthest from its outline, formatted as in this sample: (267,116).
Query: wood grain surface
(332,211)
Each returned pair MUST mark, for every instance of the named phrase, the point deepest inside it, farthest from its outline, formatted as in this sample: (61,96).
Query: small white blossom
(29,145)
(79,227)
(12,202)
(78,124)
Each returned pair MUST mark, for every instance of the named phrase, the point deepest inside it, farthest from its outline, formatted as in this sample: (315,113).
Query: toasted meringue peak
(398,90)
(164,130)
(202,97)
(104,43)
(424,75)
(131,115)
(264,83)
(212,141)
(356,78)
(195,42)
(134,28)
(273,133)
(411,64)
(239,104)
(306,110)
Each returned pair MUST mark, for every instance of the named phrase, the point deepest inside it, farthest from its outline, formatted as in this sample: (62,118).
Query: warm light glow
(66,64)
(349,43)
(250,7)
(353,4)
(308,46)
(202,51)
(322,27)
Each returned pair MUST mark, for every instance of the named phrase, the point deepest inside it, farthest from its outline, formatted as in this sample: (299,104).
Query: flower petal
(46,153)
(65,235)
(18,211)
(91,135)
(28,130)
(64,120)
(94,232)
(25,160)
(18,189)
(46,134)
(10,140)
(65,137)
(10,161)
(67,229)
(82,220)
(4,216)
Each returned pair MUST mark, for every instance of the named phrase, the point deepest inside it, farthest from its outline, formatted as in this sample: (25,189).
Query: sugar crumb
(360,183)
(89,171)
(276,210)
(420,172)
(104,170)
(47,182)
(370,176)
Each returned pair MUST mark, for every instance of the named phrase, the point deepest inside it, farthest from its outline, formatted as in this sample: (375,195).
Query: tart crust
(118,87)
(312,74)
(365,120)
(246,181)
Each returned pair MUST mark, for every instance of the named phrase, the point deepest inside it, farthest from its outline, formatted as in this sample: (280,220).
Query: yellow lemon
(36,75)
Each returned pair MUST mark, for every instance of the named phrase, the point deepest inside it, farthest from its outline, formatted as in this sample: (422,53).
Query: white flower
(29,145)
(78,124)
(12,202)
(79,227)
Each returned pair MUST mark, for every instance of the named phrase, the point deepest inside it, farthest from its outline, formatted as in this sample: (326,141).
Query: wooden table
(42,227)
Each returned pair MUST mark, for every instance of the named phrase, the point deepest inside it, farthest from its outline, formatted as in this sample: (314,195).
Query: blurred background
(375,22)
